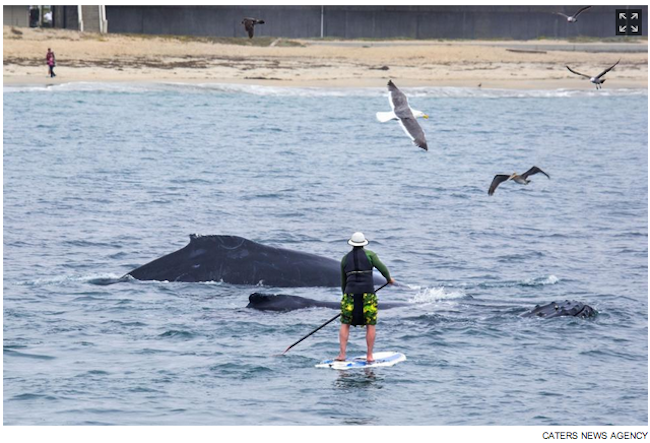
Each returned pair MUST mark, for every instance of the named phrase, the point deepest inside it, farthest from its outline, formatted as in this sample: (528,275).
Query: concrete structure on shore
(15,16)
(352,22)
(79,18)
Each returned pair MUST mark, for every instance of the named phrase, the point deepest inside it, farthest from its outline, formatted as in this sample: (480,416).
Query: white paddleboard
(381,359)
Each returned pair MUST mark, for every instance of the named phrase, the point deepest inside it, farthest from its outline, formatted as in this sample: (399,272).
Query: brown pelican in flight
(405,115)
(573,18)
(249,24)
(596,80)
(521,179)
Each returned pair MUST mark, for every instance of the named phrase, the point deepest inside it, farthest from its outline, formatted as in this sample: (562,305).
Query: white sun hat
(358,239)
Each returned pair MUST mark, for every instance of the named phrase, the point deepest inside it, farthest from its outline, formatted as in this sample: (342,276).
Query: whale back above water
(236,260)
(282,302)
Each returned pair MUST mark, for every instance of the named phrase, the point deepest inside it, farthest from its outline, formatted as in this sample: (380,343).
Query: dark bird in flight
(573,18)
(406,116)
(249,24)
(521,179)
(596,80)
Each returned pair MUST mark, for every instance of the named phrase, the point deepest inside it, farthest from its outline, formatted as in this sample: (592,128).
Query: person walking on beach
(359,302)
(51,62)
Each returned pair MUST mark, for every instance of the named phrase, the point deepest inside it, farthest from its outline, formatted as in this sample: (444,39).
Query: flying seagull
(521,179)
(406,116)
(249,24)
(573,18)
(596,80)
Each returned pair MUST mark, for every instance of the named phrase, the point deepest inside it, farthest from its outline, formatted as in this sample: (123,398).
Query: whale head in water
(566,308)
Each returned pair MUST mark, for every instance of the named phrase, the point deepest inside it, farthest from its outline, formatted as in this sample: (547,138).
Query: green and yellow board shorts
(359,309)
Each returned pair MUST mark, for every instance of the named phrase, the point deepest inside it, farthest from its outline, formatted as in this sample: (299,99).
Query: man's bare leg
(343,338)
(370,341)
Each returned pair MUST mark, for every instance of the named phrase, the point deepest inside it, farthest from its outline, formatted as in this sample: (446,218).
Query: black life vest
(358,271)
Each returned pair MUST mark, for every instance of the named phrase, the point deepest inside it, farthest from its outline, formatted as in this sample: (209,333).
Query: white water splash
(540,281)
(62,279)
(288,91)
(104,279)
(430,295)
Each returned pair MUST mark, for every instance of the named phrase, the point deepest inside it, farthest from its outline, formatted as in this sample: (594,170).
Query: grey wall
(15,16)
(66,17)
(470,22)
(214,21)
(419,22)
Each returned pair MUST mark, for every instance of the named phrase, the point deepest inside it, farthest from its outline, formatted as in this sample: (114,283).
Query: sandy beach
(540,64)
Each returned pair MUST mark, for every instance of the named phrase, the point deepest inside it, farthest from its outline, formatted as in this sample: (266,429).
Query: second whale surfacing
(283,303)
(236,260)
(567,308)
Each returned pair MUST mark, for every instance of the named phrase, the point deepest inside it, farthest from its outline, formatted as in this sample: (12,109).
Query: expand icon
(629,22)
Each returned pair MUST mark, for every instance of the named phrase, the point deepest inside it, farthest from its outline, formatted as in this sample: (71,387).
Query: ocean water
(102,178)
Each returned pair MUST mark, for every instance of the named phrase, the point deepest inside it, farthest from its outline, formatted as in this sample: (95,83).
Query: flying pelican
(521,179)
(249,24)
(573,18)
(596,80)
(406,116)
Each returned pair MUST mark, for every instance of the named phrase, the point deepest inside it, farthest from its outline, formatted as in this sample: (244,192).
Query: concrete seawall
(380,22)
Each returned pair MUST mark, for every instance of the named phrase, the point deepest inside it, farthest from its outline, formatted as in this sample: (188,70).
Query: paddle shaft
(326,323)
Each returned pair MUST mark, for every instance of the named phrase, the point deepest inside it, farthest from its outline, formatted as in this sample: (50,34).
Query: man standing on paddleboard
(359,302)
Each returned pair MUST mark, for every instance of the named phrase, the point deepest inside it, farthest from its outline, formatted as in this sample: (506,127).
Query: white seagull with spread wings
(406,116)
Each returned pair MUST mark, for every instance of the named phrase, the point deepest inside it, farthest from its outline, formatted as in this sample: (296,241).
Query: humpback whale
(281,302)
(562,309)
(240,261)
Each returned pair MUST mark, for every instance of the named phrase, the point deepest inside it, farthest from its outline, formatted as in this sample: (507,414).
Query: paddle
(325,324)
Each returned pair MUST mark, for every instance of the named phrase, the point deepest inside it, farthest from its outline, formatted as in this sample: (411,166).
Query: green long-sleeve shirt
(374,261)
